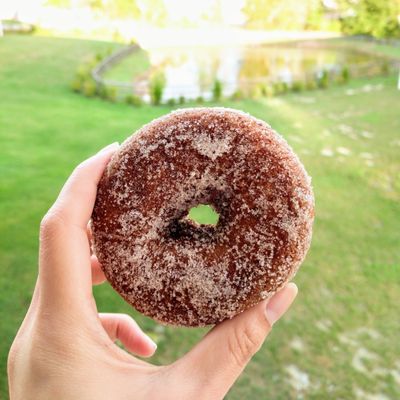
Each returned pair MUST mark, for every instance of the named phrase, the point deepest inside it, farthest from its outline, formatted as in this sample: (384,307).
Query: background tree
(153,12)
(378,18)
(214,13)
(114,8)
(58,3)
(123,8)
(280,14)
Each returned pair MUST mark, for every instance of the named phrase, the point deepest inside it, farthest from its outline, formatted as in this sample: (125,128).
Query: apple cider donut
(180,272)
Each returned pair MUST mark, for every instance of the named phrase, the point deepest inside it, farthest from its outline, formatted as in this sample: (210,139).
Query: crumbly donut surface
(182,273)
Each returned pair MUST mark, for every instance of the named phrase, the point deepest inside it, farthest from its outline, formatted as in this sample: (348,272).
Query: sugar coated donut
(175,270)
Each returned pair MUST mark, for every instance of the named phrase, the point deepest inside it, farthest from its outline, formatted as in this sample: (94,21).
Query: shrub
(268,90)
(345,74)
(217,90)
(280,87)
(83,71)
(93,61)
(171,102)
(199,99)
(102,91)
(256,92)
(107,93)
(76,85)
(133,100)
(297,86)
(385,68)
(311,85)
(89,88)
(323,80)
(157,85)
(137,101)
(84,83)
(181,99)
(237,95)
(111,93)
(277,87)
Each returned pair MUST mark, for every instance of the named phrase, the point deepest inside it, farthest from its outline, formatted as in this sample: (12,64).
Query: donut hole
(203,214)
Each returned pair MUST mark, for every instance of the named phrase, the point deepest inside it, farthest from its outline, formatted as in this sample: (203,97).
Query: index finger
(64,256)
(76,199)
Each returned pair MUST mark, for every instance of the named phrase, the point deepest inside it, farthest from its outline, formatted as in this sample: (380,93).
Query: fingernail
(152,343)
(109,147)
(280,302)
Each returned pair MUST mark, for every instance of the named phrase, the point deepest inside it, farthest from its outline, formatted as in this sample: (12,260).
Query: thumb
(215,363)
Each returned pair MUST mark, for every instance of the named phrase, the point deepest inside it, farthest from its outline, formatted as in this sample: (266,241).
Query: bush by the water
(311,84)
(217,90)
(84,83)
(345,74)
(280,87)
(323,80)
(256,92)
(76,85)
(134,100)
(237,95)
(297,86)
(156,88)
(89,88)
(268,90)
(385,68)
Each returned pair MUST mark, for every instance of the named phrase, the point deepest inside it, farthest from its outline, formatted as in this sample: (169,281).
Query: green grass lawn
(339,340)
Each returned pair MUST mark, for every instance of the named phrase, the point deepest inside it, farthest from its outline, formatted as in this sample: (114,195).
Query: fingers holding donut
(90,236)
(214,364)
(65,264)
(124,328)
(98,276)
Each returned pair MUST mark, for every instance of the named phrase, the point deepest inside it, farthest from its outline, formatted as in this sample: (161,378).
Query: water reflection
(191,72)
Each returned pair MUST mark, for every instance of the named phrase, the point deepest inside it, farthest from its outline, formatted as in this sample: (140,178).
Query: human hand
(65,349)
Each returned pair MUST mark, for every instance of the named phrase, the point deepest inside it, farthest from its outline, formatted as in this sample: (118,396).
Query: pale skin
(65,349)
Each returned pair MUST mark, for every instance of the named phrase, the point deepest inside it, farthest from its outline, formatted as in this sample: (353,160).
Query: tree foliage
(378,18)
(58,3)
(279,14)
(153,11)
(123,8)
(115,8)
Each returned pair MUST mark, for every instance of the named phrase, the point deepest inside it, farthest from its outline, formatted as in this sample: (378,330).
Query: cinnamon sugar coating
(182,273)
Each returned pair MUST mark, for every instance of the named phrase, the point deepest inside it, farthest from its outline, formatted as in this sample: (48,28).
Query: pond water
(192,72)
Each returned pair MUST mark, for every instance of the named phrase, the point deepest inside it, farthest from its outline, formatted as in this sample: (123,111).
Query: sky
(29,10)
(193,9)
